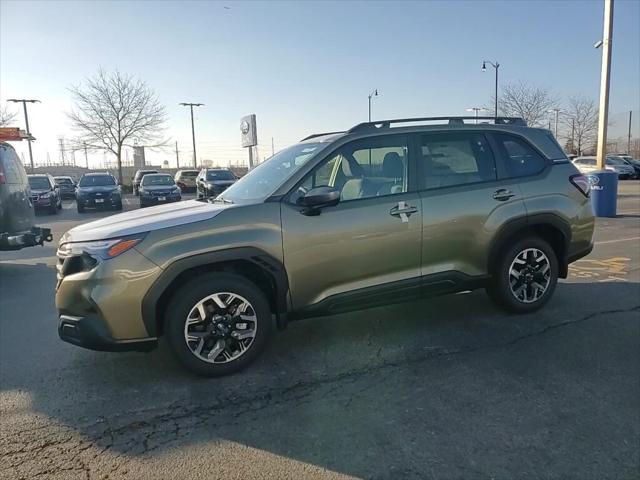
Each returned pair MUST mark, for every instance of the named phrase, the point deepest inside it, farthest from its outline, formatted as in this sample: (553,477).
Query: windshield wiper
(221,200)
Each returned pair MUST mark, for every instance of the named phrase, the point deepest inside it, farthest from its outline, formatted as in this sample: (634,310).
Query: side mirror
(318,198)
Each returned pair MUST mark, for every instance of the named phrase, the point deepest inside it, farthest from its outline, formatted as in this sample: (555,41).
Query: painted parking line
(630,239)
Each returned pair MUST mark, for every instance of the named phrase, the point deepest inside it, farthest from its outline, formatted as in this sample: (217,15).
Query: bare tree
(581,115)
(530,103)
(112,110)
(7,117)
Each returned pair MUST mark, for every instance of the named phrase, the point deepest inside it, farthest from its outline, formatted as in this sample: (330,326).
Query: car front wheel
(525,277)
(218,324)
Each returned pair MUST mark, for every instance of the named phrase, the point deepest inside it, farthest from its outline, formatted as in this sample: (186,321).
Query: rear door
(465,201)
(365,250)
(16,208)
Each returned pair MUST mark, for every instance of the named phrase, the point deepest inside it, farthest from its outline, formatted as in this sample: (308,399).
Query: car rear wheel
(218,324)
(525,277)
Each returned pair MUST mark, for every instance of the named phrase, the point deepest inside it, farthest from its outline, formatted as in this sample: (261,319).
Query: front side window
(520,157)
(455,158)
(365,168)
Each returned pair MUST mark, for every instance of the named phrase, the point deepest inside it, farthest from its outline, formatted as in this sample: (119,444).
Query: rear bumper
(92,333)
(18,240)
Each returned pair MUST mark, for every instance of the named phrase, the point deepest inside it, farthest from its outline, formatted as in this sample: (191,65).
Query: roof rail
(451,120)
(320,135)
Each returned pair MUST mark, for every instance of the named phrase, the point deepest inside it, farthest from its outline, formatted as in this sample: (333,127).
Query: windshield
(263,180)
(220,175)
(97,181)
(64,181)
(148,180)
(615,161)
(39,183)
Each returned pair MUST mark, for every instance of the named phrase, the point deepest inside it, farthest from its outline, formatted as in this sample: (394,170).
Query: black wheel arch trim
(513,226)
(266,262)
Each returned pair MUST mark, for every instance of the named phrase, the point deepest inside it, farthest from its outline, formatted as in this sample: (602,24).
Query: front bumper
(100,301)
(154,200)
(91,332)
(107,202)
(43,202)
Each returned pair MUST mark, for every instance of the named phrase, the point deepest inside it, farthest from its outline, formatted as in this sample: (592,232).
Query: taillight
(581,182)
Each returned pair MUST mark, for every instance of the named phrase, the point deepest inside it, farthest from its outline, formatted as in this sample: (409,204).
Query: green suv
(385,212)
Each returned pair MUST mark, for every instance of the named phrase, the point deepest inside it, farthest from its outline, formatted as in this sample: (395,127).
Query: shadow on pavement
(448,387)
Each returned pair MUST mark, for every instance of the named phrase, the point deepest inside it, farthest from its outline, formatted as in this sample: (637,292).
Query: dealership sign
(249,131)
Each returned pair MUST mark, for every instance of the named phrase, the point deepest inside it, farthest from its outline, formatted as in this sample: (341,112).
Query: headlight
(103,249)
(45,195)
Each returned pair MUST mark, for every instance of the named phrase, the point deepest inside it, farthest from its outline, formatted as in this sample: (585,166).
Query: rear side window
(13,170)
(521,159)
(455,158)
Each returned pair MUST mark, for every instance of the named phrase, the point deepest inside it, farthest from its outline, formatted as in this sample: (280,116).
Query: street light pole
(372,94)
(24,102)
(604,83)
(476,110)
(629,135)
(557,112)
(496,66)
(193,130)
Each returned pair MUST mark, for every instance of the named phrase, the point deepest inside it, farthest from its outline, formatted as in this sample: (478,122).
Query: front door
(366,249)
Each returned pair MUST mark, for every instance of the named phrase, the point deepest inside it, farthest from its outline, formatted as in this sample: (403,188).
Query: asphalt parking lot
(448,388)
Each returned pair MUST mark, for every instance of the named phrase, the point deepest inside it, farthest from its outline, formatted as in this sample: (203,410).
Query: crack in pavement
(165,425)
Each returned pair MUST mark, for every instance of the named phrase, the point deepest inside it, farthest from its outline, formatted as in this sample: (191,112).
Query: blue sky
(304,67)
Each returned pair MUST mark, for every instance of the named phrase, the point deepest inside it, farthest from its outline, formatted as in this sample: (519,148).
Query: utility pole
(24,102)
(604,84)
(629,135)
(86,157)
(273,150)
(177,156)
(63,159)
(573,133)
(193,131)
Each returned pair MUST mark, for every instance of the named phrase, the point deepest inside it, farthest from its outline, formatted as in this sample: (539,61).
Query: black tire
(142,205)
(53,209)
(500,290)
(80,207)
(118,206)
(60,203)
(136,192)
(189,295)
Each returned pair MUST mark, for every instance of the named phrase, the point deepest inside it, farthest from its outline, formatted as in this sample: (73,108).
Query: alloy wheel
(221,327)
(529,275)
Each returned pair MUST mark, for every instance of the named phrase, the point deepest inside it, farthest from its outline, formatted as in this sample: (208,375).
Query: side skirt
(391,293)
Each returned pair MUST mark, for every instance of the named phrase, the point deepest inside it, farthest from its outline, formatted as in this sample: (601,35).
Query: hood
(40,191)
(144,220)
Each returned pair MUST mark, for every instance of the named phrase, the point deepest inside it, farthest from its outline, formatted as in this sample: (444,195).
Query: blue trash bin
(604,192)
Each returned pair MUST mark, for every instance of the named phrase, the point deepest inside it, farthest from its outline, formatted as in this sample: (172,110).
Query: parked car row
(625,166)
(207,182)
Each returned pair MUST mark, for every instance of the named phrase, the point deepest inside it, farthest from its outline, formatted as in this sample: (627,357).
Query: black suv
(211,182)
(45,193)
(98,190)
(137,178)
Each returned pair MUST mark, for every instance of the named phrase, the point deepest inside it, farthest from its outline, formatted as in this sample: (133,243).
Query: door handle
(403,211)
(503,194)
